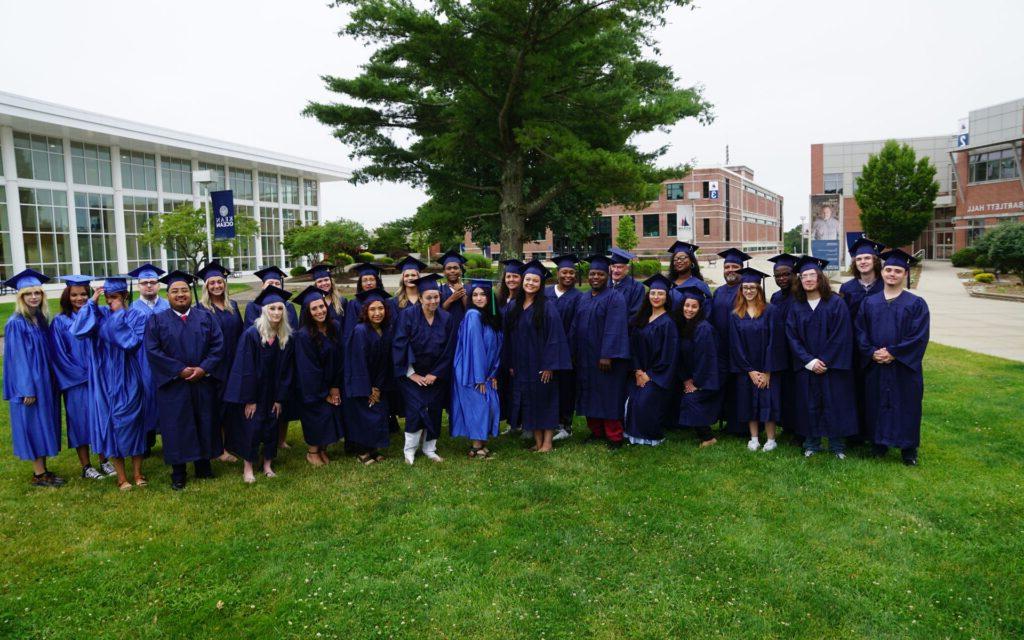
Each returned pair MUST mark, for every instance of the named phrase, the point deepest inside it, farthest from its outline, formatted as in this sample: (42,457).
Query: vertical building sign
(684,223)
(223,214)
(825,229)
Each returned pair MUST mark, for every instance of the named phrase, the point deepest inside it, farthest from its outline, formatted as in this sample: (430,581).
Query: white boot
(430,450)
(412,440)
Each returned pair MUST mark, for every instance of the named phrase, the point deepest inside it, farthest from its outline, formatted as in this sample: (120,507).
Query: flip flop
(141,481)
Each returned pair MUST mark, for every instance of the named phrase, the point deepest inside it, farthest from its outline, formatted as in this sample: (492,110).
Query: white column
(13,201)
(120,233)
(76,260)
(160,205)
(280,221)
(197,196)
(227,185)
(257,242)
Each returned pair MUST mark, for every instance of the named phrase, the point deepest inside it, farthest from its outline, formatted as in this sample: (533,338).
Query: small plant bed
(985,284)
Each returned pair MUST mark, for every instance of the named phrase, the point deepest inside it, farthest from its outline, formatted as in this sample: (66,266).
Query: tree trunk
(512,209)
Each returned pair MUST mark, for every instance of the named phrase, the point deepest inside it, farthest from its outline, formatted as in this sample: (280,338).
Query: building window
(138,211)
(270,235)
(603,225)
(245,248)
(268,187)
(311,218)
(176,174)
(138,171)
(707,226)
(675,191)
(39,157)
(6,262)
(993,165)
(652,228)
(217,182)
(853,181)
(175,261)
(833,183)
(94,222)
(241,184)
(309,197)
(975,229)
(90,164)
(671,230)
(705,190)
(289,190)
(46,232)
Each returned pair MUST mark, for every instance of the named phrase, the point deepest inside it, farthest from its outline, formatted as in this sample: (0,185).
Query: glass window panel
(23,163)
(29,221)
(40,165)
(32,255)
(48,248)
(45,218)
(57,168)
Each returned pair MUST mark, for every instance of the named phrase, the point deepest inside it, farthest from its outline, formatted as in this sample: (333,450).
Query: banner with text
(223,214)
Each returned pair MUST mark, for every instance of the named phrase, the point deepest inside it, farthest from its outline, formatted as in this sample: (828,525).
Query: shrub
(477,261)
(964,257)
(387,260)
(343,259)
(482,273)
(646,268)
(365,256)
(985,278)
(583,268)
(976,270)
(298,271)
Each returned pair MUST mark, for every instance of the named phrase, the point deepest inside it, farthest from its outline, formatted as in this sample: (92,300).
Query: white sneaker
(769,446)
(91,473)
(753,444)
(561,434)
(808,453)
(108,468)
(841,455)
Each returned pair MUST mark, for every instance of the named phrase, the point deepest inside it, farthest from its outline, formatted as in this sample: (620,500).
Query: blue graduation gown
(600,330)
(632,293)
(475,415)
(825,402)
(854,296)
(367,365)
(318,369)
(781,360)
(260,374)
(428,349)
(70,360)
(117,396)
(649,411)
(231,325)
(533,404)
(150,411)
(458,309)
(332,314)
(721,308)
(35,428)
(894,391)
(566,379)
(676,296)
(698,361)
(752,348)
(187,417)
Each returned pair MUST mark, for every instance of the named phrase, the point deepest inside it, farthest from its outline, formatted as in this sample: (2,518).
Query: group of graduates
(635,359)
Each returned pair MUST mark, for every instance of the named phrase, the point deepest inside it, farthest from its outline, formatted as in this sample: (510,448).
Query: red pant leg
(596,426)
(613,430)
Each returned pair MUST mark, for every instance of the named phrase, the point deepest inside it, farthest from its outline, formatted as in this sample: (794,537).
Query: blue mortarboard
(566,261)
(482,284)
(79,280)
(27,278)
(734,256)
(272,294)
(658,281)
(147,272)
(784,260)
(427,283)
(683,247)
(750,275)
(810,262)
(451,256)
(693,293)
(270,273)
(863,245)
(366,269)
(598,261)
(115,284)
(368,296)
(537,268)
(322,270)
(213,270)
(308,295)
(898,258)
(177,276)
(513,265)
(620,256)
(409,262)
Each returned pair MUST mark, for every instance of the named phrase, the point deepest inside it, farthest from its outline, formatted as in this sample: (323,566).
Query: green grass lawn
(642,543)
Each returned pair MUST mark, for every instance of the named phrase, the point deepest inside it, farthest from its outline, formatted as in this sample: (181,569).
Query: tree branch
(545,198)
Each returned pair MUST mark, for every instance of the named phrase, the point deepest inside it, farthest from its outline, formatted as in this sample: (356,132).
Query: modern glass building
(77,189)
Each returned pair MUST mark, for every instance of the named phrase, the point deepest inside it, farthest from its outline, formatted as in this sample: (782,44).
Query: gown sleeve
(738,360)
(615,341)
(215,350)
(358,380)
(68,371)
(444,363)
(839,343)
(796,343)
(118,330)
(914,333)
(705,358)
(241,386)
(309,370)
(862,335)
(287,373)
(555,356)
(471,366)
(86,321)
(19,378)
(662,369)
(165,367)
(400,345)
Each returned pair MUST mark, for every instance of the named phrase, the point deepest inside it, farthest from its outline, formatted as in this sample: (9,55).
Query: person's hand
(197,374)
(511,373)
(429,379)
(115,304)
(97,292)
(689,387)
(186,373)
(334,397)
(482,388)
(494,383)
(417,378)
(605,364)
(28,401)
(374,397)
(546,375)
(819,367)
(641,378)
(250,410)
(767,377)
(755,377)
(276,409)
(886,356)
(458,294)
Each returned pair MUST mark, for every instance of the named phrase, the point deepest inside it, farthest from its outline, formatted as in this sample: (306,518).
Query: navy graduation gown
(698,361)
(721,308)
(632,293)
(825,402)
(35,428)
(150,410)
(187,416)
(318,369)
(261,374)
(427,349)
(676,296)
(781,359)
(367,365)
(854,295)
(457,310)
(566,305)
(231,325)
(649,411)
(475,415)
(253,311)
(752,348)
(70,360)
(894,391)
(600,330)
(533,404)
(332,314)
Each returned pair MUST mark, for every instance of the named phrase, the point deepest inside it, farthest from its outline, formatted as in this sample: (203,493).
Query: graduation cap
(750,275)
(368,296)
(513,265)
(784,260)
(270,273)
(810,262)
(427,283)
(77,280)
(321,270)
(537,268)
(620,256)
(213,270)
(115,284)
(147,272)
(598,261)
(658,281)
(272,294)
(308,295)
(898,258)
(733,256)
(863,245)
(177,276)
(27,278)
(683,247)
(409,262)
(475,283)
(366,269)
(692,293)
(451,256)
(566,261)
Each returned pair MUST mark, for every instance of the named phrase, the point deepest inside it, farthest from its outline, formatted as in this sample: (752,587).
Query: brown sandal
(125,486)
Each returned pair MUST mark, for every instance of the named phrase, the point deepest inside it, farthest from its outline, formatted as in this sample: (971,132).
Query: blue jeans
(835,445)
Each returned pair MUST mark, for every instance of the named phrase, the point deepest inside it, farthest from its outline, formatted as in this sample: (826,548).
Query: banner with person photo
(826,229)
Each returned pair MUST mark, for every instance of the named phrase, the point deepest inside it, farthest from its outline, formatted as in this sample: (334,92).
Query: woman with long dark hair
(318,374)
(366,371)
(337,305)
(653,344)
(475,410)
(752,333)
(511,281)
(684,271)
(698,368)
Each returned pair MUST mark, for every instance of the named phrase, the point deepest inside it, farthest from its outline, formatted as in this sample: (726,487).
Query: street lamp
(204,178)
(803,235)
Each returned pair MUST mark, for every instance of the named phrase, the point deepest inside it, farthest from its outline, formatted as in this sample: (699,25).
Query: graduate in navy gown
(565,295)
(422,351)
(535,352)
(892,334)
(217,300)
(510,287)
(318,375)
(70,361)
(367,369)
(337,305)
(454,297)
(117,416)
(367,279)
(866,282)
(781,301)
(698,370)
(148,304)
(722,303)
(654,343)
(632,292)
(684,271)
(28,380)
(260,380)
(820,338)
(599,343)
(184,347)
(752,336)
(475,408)
(408,295)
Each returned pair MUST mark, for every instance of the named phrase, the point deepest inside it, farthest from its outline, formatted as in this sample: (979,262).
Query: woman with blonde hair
(337,305)
(216,299)
(28,379)
(752,333)
(408,294)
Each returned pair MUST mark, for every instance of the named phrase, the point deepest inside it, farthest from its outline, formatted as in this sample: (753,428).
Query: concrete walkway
(992,327)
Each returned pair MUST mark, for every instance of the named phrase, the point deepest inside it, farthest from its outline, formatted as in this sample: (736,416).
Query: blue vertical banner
(828,250)
(223,214)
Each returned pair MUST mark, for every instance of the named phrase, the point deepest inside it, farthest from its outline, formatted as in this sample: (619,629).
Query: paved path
(993,327)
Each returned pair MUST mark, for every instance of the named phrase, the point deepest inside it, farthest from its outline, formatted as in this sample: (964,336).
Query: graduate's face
(324,284)
(115,300)
(452,272)
(215,286)
(368,282)
(33,297)
(893,276)
(783,277)
(513,280)
(618,271)
(375,312)
(729,270)
(408,276)
(272,281)
(690,308)
(531,283)
(567,277)
(480,298)
(179,295)
(318,310)
(809,279)
(657,298)
(274,312)
(597,279)
(681,262)
(78,295)
(749,290)
(148,287)
(430,299)
(865,263)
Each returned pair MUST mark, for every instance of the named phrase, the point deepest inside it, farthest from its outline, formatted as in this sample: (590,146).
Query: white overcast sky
(782,75)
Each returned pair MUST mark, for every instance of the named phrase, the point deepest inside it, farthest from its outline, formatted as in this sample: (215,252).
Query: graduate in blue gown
(599,343)
(70,361)
(566,296)
(28,379)
(318,375)
(620,281)
(476,410)
(149,303)
(866,282)
(684,271)
(117,395)
(722,302)
(422,352)
(217,300)
(892,334)
(535,352)
(654,343)
(781,300)
(408,295)
(259,382)
(454,297)
(367,370)
(752,337)
(698,370)
(820,338)
(184,347)
(337,305)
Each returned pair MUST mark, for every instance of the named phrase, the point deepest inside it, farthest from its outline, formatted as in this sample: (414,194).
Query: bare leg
(83,455)
(282,434)
(753,426)
(39,466)
(137,470)
(122,478)
(538,440)
(769,429)
(545,440)
(268,470)
(247,474)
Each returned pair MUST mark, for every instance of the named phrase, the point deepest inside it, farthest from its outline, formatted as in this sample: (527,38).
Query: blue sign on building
(223,214)
(828,250)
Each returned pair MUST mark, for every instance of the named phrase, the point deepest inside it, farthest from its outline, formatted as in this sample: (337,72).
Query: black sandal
(367,459)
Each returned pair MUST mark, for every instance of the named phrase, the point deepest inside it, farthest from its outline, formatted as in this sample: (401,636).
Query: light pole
(204,178)
(803,235)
